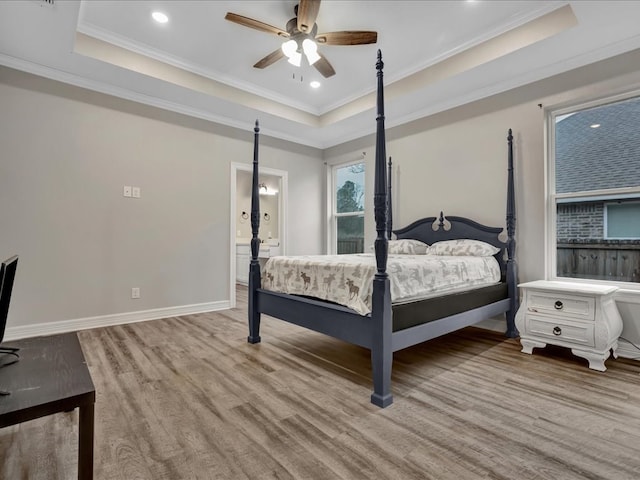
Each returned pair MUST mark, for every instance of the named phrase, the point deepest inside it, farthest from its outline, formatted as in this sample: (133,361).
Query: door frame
(282,217)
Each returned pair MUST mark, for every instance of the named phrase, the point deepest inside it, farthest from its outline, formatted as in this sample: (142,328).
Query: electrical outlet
(135,292)
(135,192)
(126,191)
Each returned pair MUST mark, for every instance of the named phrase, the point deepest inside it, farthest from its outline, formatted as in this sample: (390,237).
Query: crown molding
(101,87)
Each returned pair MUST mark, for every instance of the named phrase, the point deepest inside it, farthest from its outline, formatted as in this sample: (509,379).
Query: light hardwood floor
(187,398)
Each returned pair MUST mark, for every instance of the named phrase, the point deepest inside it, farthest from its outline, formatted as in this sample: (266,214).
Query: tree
(349,198)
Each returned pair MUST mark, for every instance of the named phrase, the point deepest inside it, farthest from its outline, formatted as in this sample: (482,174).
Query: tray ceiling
(437,54)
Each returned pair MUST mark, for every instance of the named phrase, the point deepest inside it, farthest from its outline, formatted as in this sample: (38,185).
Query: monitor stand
(9,350)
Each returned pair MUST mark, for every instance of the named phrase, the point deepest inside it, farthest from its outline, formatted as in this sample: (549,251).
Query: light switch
(135,192)
(126,191)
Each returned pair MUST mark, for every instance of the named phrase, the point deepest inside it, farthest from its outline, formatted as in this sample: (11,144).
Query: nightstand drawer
(561,305)
(574,332)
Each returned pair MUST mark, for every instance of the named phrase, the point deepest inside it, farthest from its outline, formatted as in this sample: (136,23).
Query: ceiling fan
(301,32)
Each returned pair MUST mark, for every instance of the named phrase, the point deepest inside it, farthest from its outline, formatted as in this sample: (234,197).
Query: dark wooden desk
(51,377)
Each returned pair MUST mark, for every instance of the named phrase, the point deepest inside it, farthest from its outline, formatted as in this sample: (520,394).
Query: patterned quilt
(348,279)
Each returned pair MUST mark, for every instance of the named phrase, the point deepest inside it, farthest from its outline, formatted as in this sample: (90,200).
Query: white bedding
(348,279)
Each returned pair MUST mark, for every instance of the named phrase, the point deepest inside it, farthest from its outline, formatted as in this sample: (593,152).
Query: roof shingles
(599,158)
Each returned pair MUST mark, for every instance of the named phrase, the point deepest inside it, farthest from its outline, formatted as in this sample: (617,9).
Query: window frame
(333,193)
(551,197)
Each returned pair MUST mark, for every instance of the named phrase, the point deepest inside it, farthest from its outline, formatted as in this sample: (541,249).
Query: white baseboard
(626,350)
(52,328)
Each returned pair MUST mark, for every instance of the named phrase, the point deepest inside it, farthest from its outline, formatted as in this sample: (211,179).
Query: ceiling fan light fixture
(310,50)
(295,59)
(290,48)
(300,38)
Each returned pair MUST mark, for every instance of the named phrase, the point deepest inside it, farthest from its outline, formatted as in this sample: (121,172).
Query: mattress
(348,279)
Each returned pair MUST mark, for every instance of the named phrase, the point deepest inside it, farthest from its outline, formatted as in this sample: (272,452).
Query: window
(594,185)
(348,208)
(621,220)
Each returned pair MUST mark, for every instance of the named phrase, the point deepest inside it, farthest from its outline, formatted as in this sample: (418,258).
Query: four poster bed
(367,316)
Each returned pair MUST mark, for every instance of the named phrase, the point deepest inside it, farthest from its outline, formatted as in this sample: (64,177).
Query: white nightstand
(580,316)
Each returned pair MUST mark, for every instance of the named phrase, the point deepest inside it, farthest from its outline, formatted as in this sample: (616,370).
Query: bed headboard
(435,229)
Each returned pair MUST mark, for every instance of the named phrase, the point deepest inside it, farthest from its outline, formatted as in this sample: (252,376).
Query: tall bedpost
(381,349)
(254,266)
(512,268)
(389,206)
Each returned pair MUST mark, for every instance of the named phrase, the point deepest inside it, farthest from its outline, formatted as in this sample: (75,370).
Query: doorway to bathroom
(273,219)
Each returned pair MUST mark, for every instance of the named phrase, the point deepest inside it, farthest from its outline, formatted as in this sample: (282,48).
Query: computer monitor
(7,275)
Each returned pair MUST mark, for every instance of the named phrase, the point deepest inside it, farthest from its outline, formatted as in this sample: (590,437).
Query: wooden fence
(351,245)
(619,262)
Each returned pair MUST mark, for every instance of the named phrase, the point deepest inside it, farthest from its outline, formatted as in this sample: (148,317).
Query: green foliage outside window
(349,199)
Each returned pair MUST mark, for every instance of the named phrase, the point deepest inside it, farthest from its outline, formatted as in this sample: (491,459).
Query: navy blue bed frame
(375,331)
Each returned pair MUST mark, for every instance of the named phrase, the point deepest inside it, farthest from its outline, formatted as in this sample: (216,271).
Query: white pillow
(407,246)
(463,247)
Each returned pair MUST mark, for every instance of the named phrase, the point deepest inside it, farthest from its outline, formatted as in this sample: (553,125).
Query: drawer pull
(557,331)
(558,305)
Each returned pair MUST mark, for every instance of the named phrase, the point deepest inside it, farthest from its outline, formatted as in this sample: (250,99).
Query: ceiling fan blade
(347,38)
(273,57)
(251,23)
(307,14)
(324,67)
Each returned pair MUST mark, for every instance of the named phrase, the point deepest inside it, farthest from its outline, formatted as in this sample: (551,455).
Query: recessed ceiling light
(160,17)
(314,84)
(595,125)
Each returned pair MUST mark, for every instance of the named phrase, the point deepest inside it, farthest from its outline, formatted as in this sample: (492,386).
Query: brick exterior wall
(581,222)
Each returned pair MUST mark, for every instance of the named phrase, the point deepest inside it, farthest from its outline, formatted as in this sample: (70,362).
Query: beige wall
(66,155)
(456,161)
